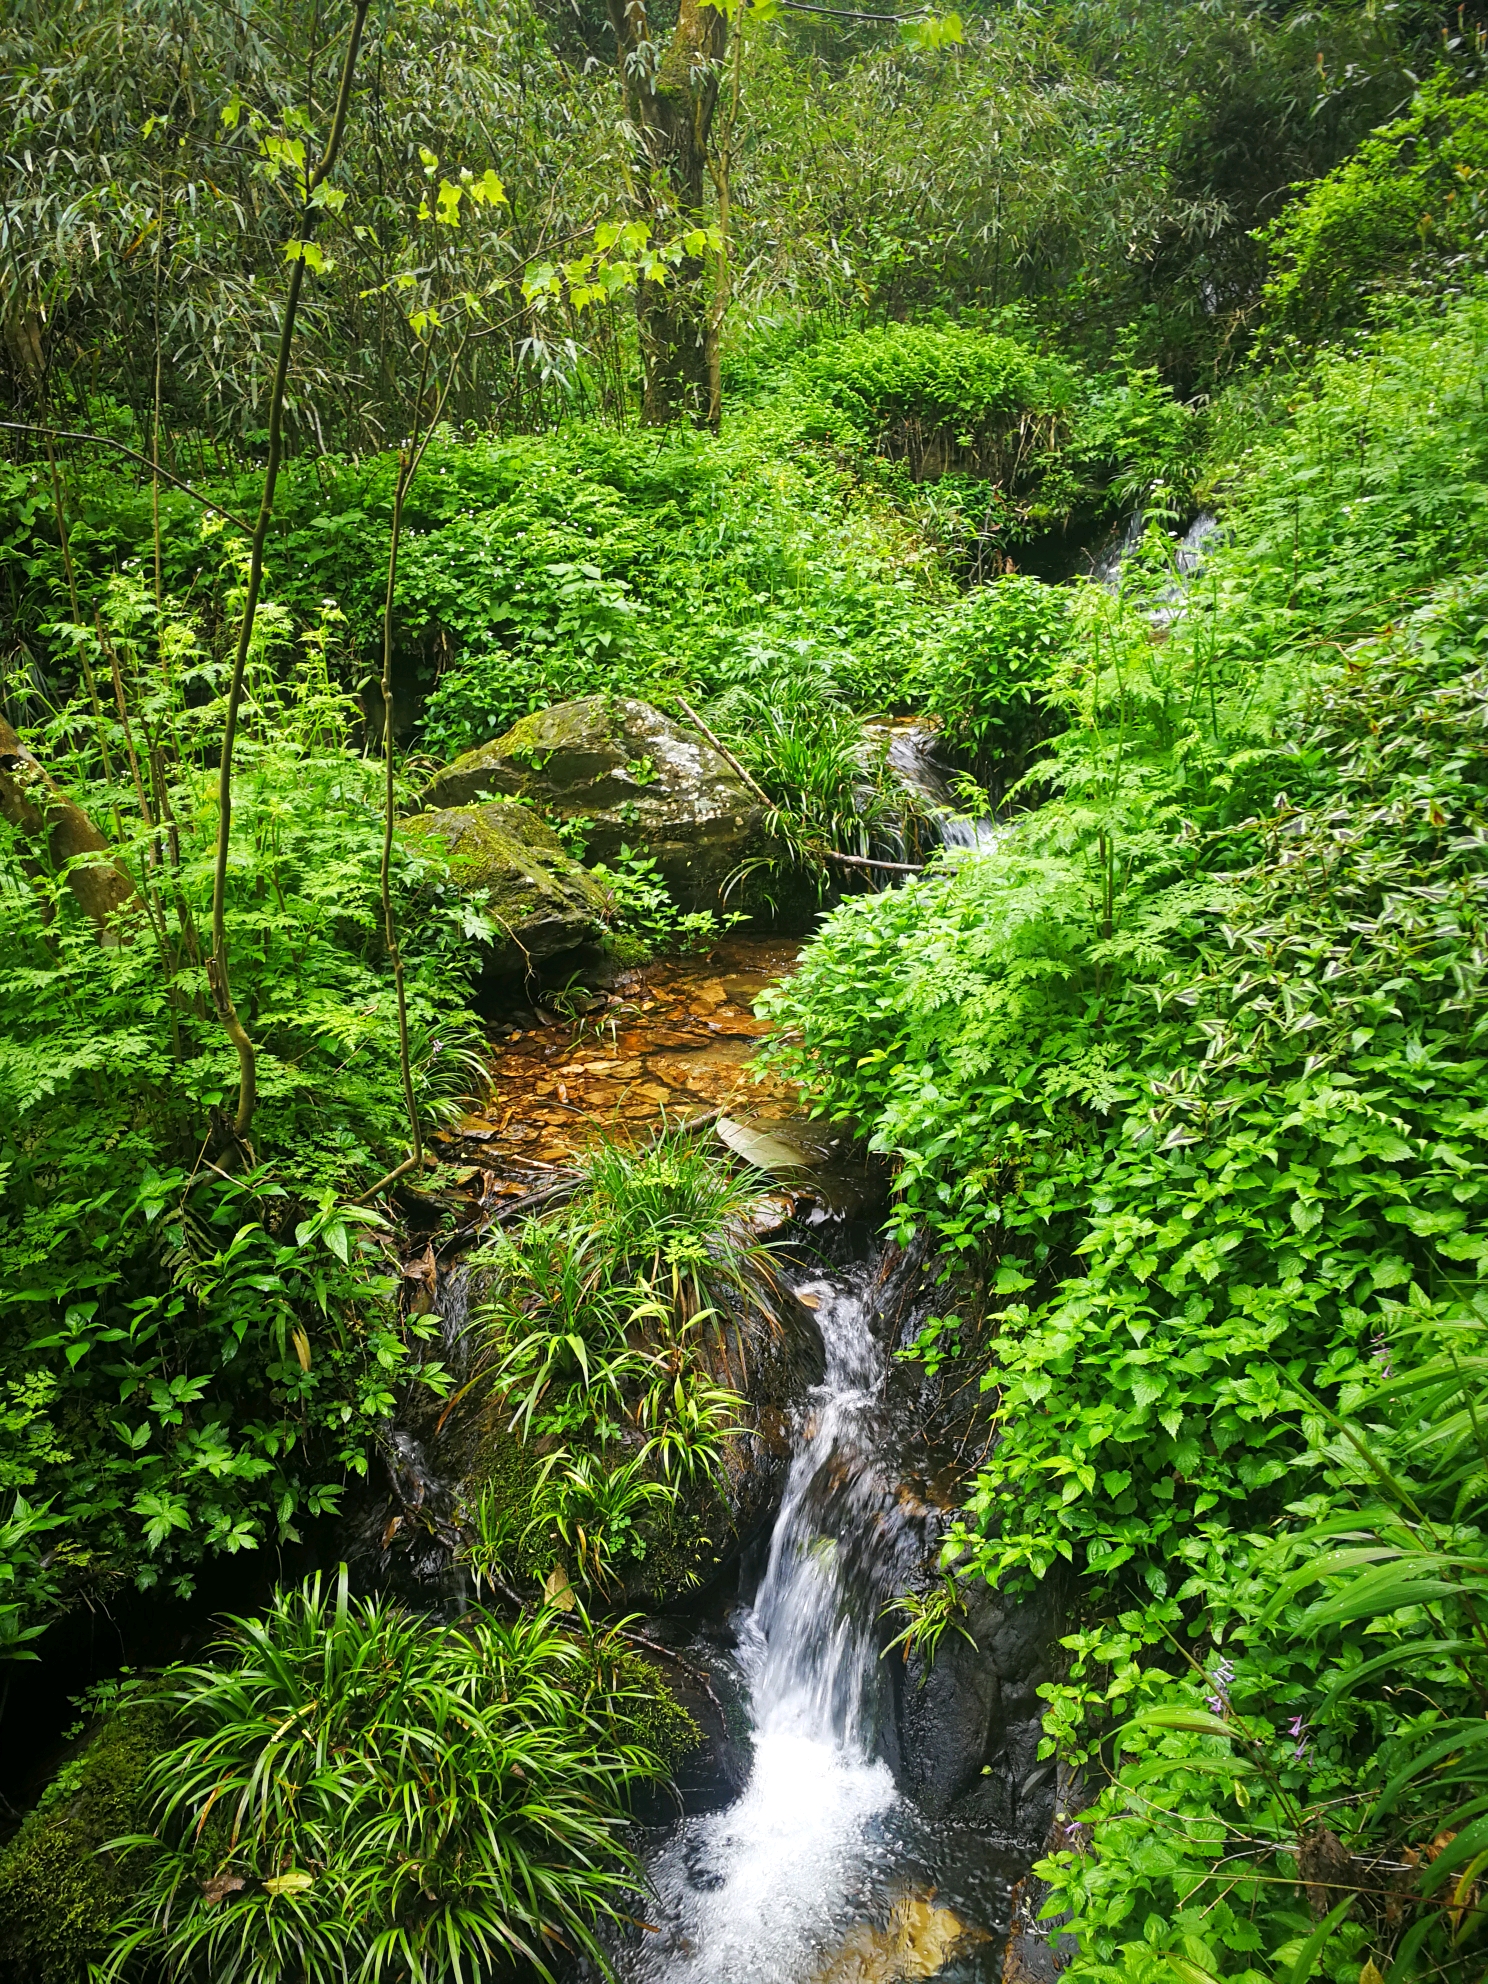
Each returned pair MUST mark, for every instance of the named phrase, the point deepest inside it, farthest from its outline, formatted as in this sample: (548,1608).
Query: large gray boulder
(539,898)
(632,776)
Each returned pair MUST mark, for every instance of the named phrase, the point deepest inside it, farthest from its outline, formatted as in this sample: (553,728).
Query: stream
(858,1836)
(822,1871)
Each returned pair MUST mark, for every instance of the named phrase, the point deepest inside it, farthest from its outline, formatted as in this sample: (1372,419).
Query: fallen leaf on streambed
(294,1882)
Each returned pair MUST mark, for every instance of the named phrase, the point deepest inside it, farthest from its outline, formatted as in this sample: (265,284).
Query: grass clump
(357,1793)
(616,1335)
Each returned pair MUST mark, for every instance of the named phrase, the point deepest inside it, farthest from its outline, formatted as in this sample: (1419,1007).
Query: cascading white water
(911,758)
(756,1892)
(820,1846)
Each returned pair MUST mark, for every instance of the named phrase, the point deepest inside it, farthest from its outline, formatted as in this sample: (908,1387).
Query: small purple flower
(1297,1728)
(1221,1678)
(1379,1351)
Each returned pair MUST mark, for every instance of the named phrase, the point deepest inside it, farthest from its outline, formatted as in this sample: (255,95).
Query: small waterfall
(820,1843)
(911,758)
(1109,559)
(1188,556)
(810,1654)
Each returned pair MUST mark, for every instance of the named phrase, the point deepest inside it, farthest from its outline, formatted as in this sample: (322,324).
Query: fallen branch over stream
(828,854)
(862,861)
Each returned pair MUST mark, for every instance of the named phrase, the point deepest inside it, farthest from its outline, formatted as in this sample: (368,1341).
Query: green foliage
(1337,1726)
(646,923)
(59,1892)
(603,1327)
(983,677)
(1407,204)
(1096,166)
(357,1793)
(984,393)
(1189,1072)
(146,217)
(930,1614)
(828,782)
(207,1352)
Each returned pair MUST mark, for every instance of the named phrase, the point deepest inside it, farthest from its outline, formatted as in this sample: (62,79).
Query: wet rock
(969,1723)
(919,1940)
(830,1177)
(632,777)
(1039,1949)
(539,898)
(711,1772)
(966,1726)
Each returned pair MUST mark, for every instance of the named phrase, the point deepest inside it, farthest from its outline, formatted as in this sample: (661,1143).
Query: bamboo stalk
(218,977)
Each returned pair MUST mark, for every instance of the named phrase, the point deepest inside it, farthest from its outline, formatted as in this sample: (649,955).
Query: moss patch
(655,1718)
(533,890)
(58,1894)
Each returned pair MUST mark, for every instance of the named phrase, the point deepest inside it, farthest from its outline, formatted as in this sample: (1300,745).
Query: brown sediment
(673,1040)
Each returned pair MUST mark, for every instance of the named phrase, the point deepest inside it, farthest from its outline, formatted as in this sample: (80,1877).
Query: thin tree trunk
(218,977)
(722,169)
(670,111)
(408,467)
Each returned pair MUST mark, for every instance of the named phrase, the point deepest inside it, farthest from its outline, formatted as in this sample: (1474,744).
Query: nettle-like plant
(1188,1076)
(220,1343)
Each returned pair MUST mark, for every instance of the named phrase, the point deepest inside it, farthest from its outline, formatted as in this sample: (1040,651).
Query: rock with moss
(59,1893)
(538,898)
(631,777)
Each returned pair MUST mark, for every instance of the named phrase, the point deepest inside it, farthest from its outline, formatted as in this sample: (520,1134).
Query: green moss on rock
(539,898)
(654,1717)
(635,778)
(59,1894)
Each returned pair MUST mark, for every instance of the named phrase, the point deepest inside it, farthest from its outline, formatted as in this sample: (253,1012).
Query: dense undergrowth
(1186,1075)
(534,569)
(1191,1067)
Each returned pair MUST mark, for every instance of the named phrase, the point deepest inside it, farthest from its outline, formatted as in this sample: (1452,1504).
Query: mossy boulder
(59,1894)
(633,777)
(539,898)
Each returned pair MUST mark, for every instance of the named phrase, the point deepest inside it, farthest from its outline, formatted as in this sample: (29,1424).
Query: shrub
(1189,1074)
(985,674)
(1408,203)
(603,1327)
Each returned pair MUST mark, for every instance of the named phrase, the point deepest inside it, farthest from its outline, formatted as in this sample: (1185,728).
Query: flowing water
(821,1870)
(912,760)
(1188,555)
